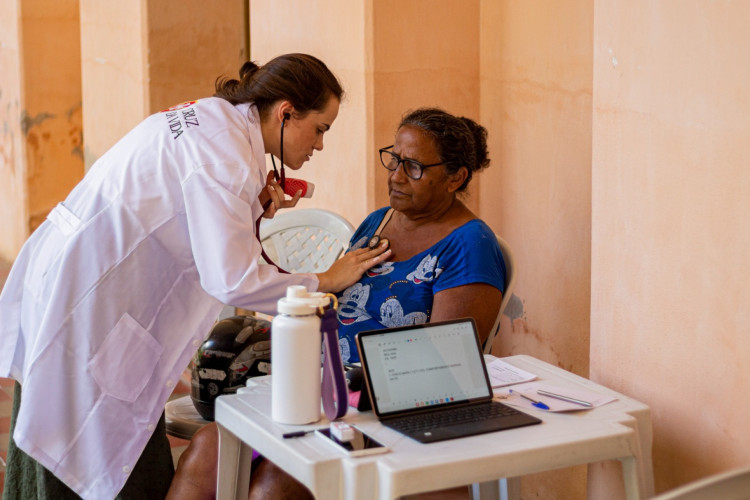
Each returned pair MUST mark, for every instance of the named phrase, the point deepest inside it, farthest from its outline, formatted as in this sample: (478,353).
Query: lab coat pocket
(48,249)
(126,360)
(65,220)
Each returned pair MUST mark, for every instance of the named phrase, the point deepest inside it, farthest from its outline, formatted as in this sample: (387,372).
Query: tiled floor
(178,445)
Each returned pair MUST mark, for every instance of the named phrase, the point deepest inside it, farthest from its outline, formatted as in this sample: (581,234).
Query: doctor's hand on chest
(351,266)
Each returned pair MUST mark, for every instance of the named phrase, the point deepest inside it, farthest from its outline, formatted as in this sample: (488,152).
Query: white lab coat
(112,294)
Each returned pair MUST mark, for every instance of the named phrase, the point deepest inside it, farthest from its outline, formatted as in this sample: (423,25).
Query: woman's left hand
(272,197)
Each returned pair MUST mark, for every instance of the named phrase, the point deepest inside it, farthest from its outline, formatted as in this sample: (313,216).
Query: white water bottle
(295,357)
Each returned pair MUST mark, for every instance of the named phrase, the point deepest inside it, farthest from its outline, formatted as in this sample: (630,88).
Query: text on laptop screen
(425,366)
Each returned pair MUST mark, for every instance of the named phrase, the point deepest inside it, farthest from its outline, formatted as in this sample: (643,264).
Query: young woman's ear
(285,111)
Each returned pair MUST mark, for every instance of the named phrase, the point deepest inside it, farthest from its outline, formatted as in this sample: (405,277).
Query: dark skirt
(27,479)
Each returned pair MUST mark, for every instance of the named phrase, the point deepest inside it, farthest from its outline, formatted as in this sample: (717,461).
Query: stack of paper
(503,374)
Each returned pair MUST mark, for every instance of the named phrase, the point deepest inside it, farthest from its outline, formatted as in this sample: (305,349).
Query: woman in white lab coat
(112,294)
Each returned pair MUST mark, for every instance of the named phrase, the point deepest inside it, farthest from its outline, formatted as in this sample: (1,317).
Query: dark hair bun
(247,69)
(480,142)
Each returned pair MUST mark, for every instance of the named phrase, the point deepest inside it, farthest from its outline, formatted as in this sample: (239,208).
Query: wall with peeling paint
(42,129)
(142,57)
(122,61)
(51,120)
(13,200)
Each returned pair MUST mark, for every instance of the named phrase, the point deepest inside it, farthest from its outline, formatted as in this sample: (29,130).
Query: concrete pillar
(13,197)
(536,99)
(141,57)
(40,106)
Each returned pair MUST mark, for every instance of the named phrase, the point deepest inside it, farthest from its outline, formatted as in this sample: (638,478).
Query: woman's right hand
(349,269)
(272,197)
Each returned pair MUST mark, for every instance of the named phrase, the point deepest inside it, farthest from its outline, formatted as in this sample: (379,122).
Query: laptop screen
(415,367)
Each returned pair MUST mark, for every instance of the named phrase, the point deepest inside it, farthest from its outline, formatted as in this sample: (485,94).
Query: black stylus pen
(297,434)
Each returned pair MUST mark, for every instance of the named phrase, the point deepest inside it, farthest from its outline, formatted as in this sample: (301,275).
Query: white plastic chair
(305,240)
(730,485)
(299,241)
(510,283)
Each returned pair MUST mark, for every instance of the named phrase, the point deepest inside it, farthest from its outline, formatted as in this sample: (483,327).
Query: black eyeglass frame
(400,161)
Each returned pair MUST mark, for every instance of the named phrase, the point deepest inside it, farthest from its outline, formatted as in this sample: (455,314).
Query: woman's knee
(202,453)
(269,481)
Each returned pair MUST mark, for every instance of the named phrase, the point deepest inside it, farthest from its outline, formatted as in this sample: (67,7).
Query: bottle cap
(300,302)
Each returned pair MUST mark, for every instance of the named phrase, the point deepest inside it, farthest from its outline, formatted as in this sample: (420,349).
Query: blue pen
(534,402)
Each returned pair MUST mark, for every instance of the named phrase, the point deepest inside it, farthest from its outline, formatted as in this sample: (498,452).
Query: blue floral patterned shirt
(401,293)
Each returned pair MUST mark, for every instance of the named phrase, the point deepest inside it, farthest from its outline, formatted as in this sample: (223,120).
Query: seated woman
(445,264)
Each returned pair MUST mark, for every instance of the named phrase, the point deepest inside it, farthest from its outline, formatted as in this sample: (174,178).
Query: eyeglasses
(412,168)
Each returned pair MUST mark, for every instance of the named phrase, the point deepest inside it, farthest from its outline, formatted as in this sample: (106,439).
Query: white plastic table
(620,430)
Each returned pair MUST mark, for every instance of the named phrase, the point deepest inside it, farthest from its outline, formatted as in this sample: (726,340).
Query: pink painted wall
(424,54)
(185,56)
(113,72)
(336,31)
(670,302)
(536,91)
(141,57)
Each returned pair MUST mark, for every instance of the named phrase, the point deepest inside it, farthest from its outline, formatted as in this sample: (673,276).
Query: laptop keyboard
(452,416)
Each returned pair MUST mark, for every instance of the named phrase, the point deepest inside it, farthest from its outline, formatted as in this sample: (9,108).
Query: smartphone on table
(360,445)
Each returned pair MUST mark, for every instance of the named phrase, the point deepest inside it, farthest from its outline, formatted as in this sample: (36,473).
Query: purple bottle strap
(334,389)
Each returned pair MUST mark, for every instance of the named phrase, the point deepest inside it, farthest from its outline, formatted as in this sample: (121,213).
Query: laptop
(430,383)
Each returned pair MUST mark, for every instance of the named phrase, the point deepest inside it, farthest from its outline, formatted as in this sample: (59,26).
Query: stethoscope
(376,239)
(281,179)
